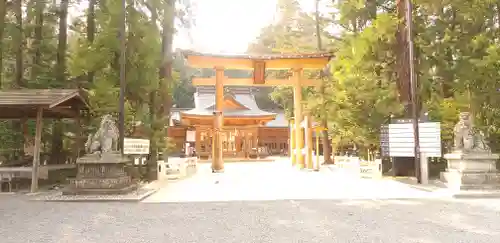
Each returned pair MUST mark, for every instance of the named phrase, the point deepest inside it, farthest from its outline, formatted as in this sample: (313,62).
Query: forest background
(457,63)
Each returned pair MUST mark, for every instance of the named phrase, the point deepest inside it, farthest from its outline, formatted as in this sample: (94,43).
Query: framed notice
(190,136)
(135,146)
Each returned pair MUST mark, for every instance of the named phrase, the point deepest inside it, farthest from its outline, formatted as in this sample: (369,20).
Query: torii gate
(259,64)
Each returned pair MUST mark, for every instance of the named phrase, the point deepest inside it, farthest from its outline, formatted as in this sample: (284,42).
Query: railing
(360,167)
(176,168)
(7,174)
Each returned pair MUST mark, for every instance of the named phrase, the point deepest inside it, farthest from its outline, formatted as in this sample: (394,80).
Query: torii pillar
(298,116)
(217,160)
(291,144)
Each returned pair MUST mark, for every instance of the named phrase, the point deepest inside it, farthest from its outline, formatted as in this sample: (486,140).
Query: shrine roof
(49,97)
(56,103)
(279,121)
(205,103)
(230,113)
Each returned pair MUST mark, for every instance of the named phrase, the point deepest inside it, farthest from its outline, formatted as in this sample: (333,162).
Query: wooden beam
(65,112)
(250,82)
(36,150)
(304,63)
(248,63)
(259,72)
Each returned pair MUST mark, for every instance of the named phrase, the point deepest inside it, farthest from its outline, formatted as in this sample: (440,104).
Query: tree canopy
(457,58)
(76,44)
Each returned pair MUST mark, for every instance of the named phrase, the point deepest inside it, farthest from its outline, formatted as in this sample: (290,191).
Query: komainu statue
(105,139)
(467,137)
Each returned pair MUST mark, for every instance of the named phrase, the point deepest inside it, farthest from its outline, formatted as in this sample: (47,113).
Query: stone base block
(101,183)
(108,158)
(459,180)
(472,162)
(71,190)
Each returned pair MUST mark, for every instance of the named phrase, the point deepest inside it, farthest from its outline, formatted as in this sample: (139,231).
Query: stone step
(480,187)
(477,194)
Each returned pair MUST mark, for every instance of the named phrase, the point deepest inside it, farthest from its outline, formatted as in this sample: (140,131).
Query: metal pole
(122,74)
(413,86)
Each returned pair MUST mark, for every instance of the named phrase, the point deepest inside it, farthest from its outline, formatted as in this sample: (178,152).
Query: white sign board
(190,136)
(135,146)
(401,139)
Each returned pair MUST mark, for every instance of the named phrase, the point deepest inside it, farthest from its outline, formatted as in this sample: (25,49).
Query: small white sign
(135,146)
(190,136)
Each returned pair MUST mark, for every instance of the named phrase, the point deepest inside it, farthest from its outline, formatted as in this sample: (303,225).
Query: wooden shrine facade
(237,142)
(246,128)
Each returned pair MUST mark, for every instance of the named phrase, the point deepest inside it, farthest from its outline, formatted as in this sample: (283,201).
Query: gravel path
(258,203)
(284,221)
(277,180)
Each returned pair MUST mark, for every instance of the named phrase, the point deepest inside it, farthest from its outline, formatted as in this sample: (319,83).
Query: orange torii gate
(297,63)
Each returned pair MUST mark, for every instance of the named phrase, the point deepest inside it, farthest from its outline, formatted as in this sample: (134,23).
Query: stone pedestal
(101,175)
(471,171)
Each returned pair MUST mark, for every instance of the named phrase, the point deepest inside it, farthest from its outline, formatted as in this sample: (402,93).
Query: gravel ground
(284,221)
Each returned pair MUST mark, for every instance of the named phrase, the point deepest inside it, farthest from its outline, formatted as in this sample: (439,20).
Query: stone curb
(448,193)
(87,198)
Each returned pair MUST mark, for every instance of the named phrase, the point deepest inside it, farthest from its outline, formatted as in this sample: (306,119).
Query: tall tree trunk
(62,44)
(324,122)
(3,12)
(165,76)
(39,13)
(403,80)
(90,35)
(403,166)
(153,152)
(57,129)
(18,38)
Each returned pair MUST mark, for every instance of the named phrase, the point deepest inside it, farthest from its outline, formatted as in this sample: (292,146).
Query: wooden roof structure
(247,61)
(259,64)
(239,105)
(56,103)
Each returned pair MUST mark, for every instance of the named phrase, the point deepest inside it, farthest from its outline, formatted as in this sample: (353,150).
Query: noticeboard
(397,140)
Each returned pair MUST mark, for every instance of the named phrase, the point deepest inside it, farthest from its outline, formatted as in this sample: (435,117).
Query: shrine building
(246,127)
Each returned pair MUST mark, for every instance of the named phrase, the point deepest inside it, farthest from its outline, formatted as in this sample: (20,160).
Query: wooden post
(217,158)
(78,136)
(237,142)
(297,110)
(245,145)
(308,141)
(293,158)
(197,141)
(25,139)
(317,130)
(36,150)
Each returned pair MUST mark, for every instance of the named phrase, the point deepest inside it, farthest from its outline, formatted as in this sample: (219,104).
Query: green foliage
(458,58)
(97,58)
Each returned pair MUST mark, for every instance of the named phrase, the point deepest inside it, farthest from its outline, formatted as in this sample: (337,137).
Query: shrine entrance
(232,120)
(236,142)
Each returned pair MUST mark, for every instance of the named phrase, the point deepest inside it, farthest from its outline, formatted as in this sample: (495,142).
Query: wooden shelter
(37,104)
(259,64)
